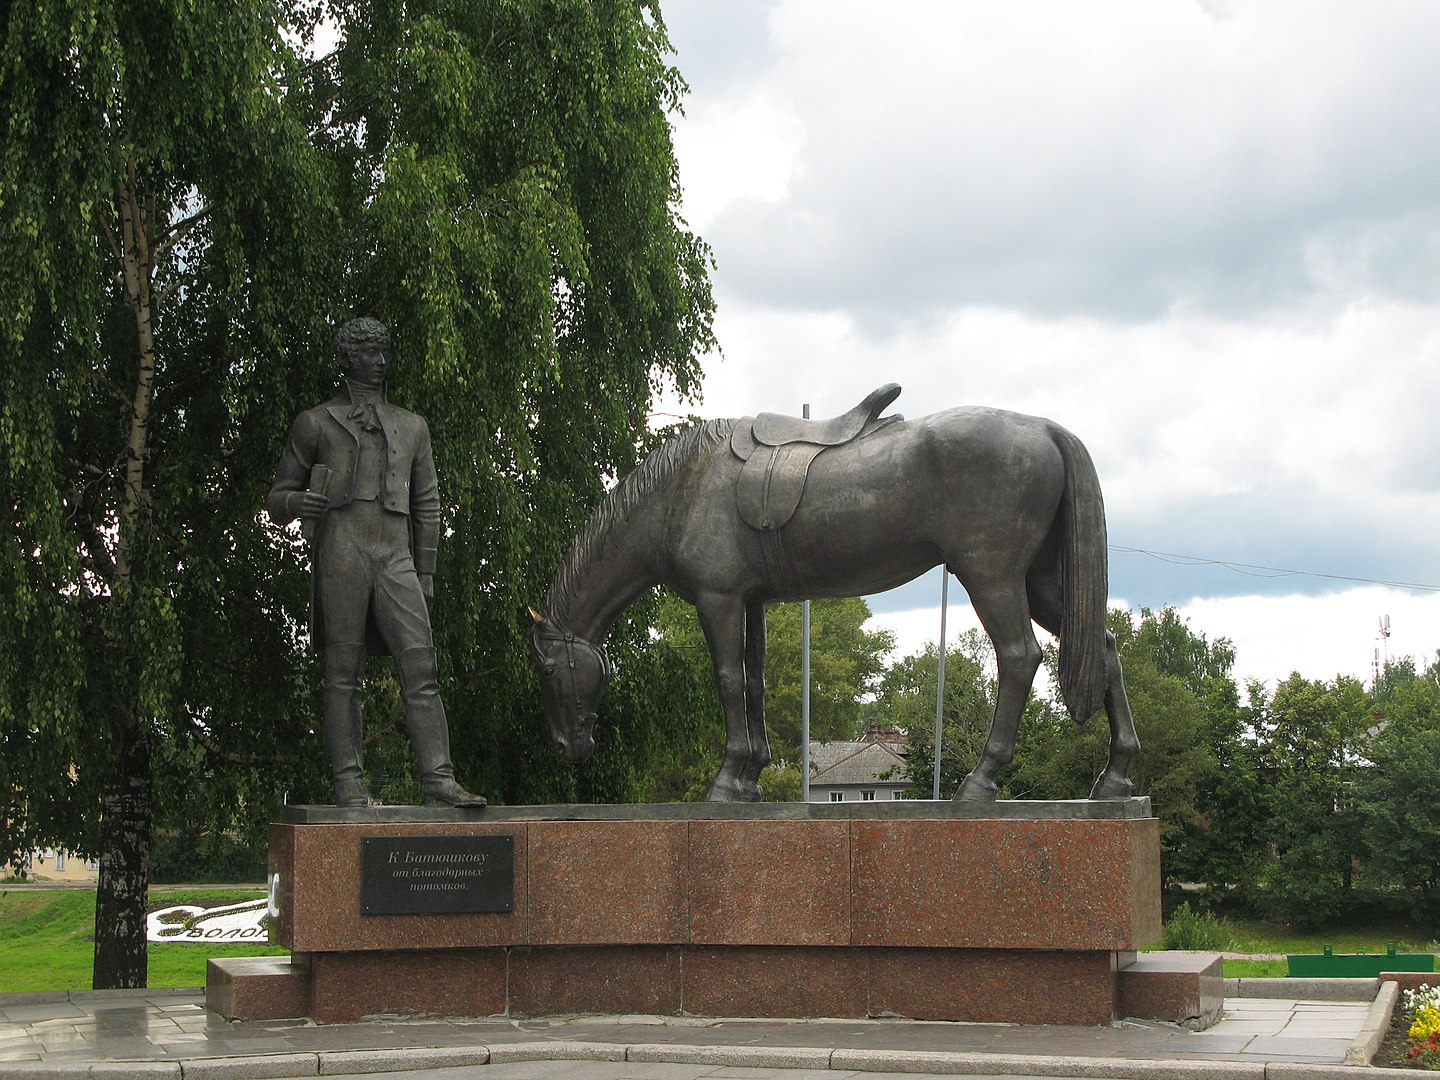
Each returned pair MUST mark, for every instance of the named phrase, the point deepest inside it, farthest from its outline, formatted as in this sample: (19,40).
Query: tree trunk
(125,824)
(128,809)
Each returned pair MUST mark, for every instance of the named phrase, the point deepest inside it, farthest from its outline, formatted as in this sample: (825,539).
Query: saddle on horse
(778,450)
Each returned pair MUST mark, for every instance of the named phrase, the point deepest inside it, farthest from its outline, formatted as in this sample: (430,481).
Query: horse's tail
(1084,581)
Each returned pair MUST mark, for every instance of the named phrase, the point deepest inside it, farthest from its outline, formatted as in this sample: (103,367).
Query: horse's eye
(549,667)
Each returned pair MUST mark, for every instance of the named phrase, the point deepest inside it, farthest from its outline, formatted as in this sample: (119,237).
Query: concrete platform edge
(1377,1023)
(1304,989)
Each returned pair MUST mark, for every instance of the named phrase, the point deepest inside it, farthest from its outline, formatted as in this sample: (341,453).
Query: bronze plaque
(436,875)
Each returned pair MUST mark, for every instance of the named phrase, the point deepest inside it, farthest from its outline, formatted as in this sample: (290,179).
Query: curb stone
(812,1058)
(139,1070)
(1377,1023)
(919,1061)
(751,1057)
(1297,1070)
(555,1051)
(336,1062)
(258,1067)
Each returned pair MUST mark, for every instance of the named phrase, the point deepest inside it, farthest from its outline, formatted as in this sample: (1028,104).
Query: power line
(1252,570)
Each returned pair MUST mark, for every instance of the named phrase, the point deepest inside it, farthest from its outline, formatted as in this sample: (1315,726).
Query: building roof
(856,763)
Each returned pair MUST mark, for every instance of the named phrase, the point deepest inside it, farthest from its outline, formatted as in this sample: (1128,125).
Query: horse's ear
(536,615)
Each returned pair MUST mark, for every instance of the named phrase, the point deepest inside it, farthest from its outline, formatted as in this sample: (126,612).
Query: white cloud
(742,147)
(1124,157)
(1318,637)
(1204,237)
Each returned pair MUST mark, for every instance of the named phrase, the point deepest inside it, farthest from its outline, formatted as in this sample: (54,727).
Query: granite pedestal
(1010,912)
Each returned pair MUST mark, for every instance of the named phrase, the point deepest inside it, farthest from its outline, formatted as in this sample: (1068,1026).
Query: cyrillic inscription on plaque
(436,875)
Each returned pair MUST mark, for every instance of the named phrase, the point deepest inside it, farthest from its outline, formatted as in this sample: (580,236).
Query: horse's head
(573,677)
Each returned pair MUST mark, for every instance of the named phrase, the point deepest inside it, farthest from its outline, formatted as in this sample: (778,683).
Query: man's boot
(429,730)
(345,722)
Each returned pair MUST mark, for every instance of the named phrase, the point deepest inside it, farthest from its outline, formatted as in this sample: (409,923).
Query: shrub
(1188,929)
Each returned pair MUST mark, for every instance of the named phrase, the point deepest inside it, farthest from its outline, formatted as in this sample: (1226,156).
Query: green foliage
(164,217)
(1398,797)
(200,857)
(846,662)
(1312,734)
(511,166)
(188,207)
(781,782)
(906,699)
(1190,929)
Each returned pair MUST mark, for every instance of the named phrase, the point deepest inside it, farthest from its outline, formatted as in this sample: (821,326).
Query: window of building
(837,796)
(897,794)
(60,860)
(867,796)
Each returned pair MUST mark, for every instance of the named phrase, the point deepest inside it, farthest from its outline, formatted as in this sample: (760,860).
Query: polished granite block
(778,910)
(320,901)
(258,987)
(608,882)
(1185,987)
(348,986)
(993,986)
(770,883)
(558,981)
(995,884)
(774,981)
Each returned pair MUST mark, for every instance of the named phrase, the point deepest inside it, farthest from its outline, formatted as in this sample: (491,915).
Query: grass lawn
(1355,935)
(47,939)
(1260,937)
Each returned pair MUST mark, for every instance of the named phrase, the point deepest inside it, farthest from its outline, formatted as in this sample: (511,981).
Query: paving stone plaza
(169,1033)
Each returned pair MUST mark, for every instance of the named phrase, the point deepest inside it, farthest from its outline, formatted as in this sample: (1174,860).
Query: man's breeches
(365,571)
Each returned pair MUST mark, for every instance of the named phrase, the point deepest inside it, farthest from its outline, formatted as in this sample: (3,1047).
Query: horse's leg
(723,620)
(1005,613)
(755,700)
(1113,782)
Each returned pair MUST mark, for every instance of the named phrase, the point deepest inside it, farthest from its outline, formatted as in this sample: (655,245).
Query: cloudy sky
(1204,235)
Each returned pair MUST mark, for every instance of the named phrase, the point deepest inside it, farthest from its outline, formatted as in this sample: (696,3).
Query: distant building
(56,866)
(870,770)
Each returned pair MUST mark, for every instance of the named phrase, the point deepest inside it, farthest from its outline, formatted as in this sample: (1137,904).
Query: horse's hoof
(975,790)
(1112,787)
(727,791)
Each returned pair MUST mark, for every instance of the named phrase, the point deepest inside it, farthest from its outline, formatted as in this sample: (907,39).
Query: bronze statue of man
(359,474)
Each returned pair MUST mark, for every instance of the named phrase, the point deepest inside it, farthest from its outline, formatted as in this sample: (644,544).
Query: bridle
(546,631)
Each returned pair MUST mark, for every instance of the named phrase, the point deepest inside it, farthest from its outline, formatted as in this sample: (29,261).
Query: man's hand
(427,587)
(307,505)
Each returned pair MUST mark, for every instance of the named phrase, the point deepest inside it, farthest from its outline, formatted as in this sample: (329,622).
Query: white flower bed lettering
(207,926)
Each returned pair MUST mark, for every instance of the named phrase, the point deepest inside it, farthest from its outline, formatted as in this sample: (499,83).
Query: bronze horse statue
(737,514)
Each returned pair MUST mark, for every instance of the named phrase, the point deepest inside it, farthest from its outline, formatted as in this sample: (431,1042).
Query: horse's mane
(652,474)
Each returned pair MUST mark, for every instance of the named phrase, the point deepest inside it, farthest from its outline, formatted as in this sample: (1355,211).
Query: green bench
(1328,965)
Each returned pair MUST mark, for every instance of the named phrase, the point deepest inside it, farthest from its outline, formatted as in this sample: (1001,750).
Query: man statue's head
(355,335)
